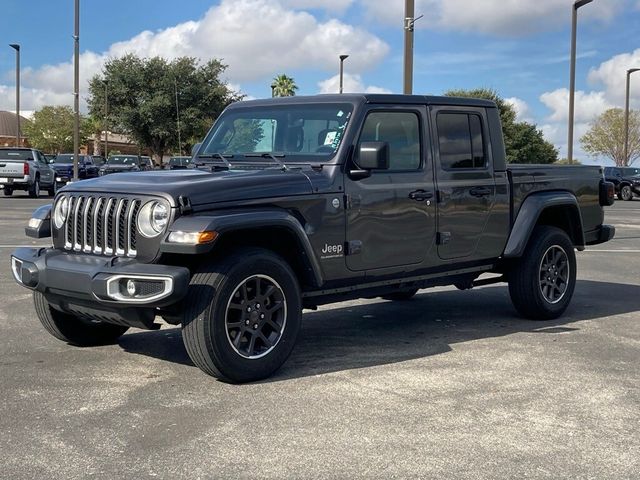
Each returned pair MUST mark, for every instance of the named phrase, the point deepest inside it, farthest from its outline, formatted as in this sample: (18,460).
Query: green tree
(284,86)
(606,137)
(142,99)
(523,142)
(51,129)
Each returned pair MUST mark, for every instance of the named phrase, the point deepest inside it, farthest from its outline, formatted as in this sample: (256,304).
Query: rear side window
(461,141)
(401,130)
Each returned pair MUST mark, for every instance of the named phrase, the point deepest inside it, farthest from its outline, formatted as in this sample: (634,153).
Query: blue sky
(518,48)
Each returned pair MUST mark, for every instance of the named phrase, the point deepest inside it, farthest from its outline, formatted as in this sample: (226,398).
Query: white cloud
(331,6)
(493,17)
(612,75)
(522,109)
(587,105)
(255,38)
(352,84)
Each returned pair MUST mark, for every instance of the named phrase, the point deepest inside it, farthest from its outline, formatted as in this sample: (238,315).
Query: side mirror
(195,148)
(373,156)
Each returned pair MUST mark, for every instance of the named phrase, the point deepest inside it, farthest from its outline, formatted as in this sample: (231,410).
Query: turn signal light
(192,238)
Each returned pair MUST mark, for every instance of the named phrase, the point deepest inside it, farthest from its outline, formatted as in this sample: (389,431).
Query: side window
(401,130)
(461,141)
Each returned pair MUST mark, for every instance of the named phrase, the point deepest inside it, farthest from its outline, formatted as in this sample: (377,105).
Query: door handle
(420,195)
(480,191)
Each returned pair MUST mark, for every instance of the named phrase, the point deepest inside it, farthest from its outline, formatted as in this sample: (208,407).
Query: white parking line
(612,251)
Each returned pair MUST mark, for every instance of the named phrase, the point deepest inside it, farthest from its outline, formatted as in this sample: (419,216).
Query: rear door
(391,214)
(465,181)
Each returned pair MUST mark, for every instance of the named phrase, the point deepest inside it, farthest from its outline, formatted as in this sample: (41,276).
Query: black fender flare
(228,221)
(531,210)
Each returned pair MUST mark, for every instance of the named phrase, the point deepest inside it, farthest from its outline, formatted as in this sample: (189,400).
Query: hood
(203,187)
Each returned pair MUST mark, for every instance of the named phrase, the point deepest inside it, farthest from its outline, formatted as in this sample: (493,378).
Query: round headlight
(61,212)
(153,219)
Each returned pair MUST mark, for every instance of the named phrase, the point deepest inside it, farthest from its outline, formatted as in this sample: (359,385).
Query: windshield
(310,132)
(180,161)
(64,159)
(630,171)
(122,160)
(16,155)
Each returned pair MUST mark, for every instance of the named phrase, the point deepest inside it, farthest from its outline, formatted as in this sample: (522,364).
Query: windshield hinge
(184,205)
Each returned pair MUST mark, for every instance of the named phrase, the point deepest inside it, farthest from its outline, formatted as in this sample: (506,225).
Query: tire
(250,338)
(550,251)
(8,191)
(626,194)
(34,190)
(53,189)
(401,296)
(73,330)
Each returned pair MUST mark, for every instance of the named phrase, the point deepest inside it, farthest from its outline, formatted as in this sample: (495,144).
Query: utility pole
(175,83)
(16,47)
(342,59)
(572,80)
(76,91)
(626,115)
(106,119)
(409,21)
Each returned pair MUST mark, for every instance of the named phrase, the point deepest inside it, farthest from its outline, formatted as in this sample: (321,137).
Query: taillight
(607,193)
(25,168)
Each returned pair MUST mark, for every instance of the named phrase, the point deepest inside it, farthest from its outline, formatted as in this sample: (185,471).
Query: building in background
(8,121)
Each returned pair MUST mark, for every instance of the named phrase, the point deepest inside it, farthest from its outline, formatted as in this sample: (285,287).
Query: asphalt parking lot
(450,385)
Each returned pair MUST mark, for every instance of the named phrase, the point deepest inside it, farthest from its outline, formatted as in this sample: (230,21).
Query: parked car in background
(121,163)
(26,169)
(626,181)
(146,163)
(63,166)
(179,163)
(99,160)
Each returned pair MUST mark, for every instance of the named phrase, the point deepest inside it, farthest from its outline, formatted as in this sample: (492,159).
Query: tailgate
(11,169)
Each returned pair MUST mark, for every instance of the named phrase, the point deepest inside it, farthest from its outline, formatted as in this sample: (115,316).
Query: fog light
(131,288)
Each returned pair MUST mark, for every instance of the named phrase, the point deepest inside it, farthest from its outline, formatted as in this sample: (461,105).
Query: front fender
(227,221)
(531,210)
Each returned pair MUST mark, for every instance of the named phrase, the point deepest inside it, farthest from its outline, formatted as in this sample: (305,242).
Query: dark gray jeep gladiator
(303,201)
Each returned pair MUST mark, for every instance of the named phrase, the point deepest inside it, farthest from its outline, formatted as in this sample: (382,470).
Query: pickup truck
(63,166)
(303,201)
(26,169)
(124,163)
(626,181)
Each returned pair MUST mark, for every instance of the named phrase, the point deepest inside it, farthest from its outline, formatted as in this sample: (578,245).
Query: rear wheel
(8,191)
(34,190)
(541,284)
(53,189)
(73,330)
(243,315)
(626,194)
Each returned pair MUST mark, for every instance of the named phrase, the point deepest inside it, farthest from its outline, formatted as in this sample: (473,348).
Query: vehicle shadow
(338,338)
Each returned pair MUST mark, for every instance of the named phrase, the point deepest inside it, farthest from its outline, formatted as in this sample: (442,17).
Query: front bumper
(72,279)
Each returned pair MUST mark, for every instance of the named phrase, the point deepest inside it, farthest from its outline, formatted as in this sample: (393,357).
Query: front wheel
(34,190)
(541,284)
(626,193)
(74,330)
(243,315)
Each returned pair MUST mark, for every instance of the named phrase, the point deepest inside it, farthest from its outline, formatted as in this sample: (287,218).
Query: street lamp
(572,81)
(342,59)
(16,47)
(76,90)
(175,84)
(106,120)
(626,114)
(273,90)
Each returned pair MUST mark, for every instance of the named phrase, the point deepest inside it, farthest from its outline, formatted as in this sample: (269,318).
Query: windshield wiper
(273,157)
(221,156)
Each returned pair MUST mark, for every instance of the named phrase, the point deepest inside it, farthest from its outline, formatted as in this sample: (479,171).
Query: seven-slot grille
(102,225)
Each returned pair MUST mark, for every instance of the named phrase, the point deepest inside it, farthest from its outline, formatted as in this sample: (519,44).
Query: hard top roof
(377,98)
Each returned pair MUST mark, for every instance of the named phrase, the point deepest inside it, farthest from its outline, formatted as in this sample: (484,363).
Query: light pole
(175,84)
(16,47)
(76,91)
(572,80)
(409,21)
(342,59)
(626,114)
(106,120)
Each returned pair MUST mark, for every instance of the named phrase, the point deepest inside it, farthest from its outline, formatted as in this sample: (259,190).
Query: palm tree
(283,86)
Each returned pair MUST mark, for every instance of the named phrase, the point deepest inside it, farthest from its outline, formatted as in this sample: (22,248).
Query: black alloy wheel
(554,274)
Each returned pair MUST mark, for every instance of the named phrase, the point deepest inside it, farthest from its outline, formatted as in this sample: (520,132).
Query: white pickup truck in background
(26,169)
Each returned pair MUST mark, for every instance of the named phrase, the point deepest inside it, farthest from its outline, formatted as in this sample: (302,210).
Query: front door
(391,214)
(466,185)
